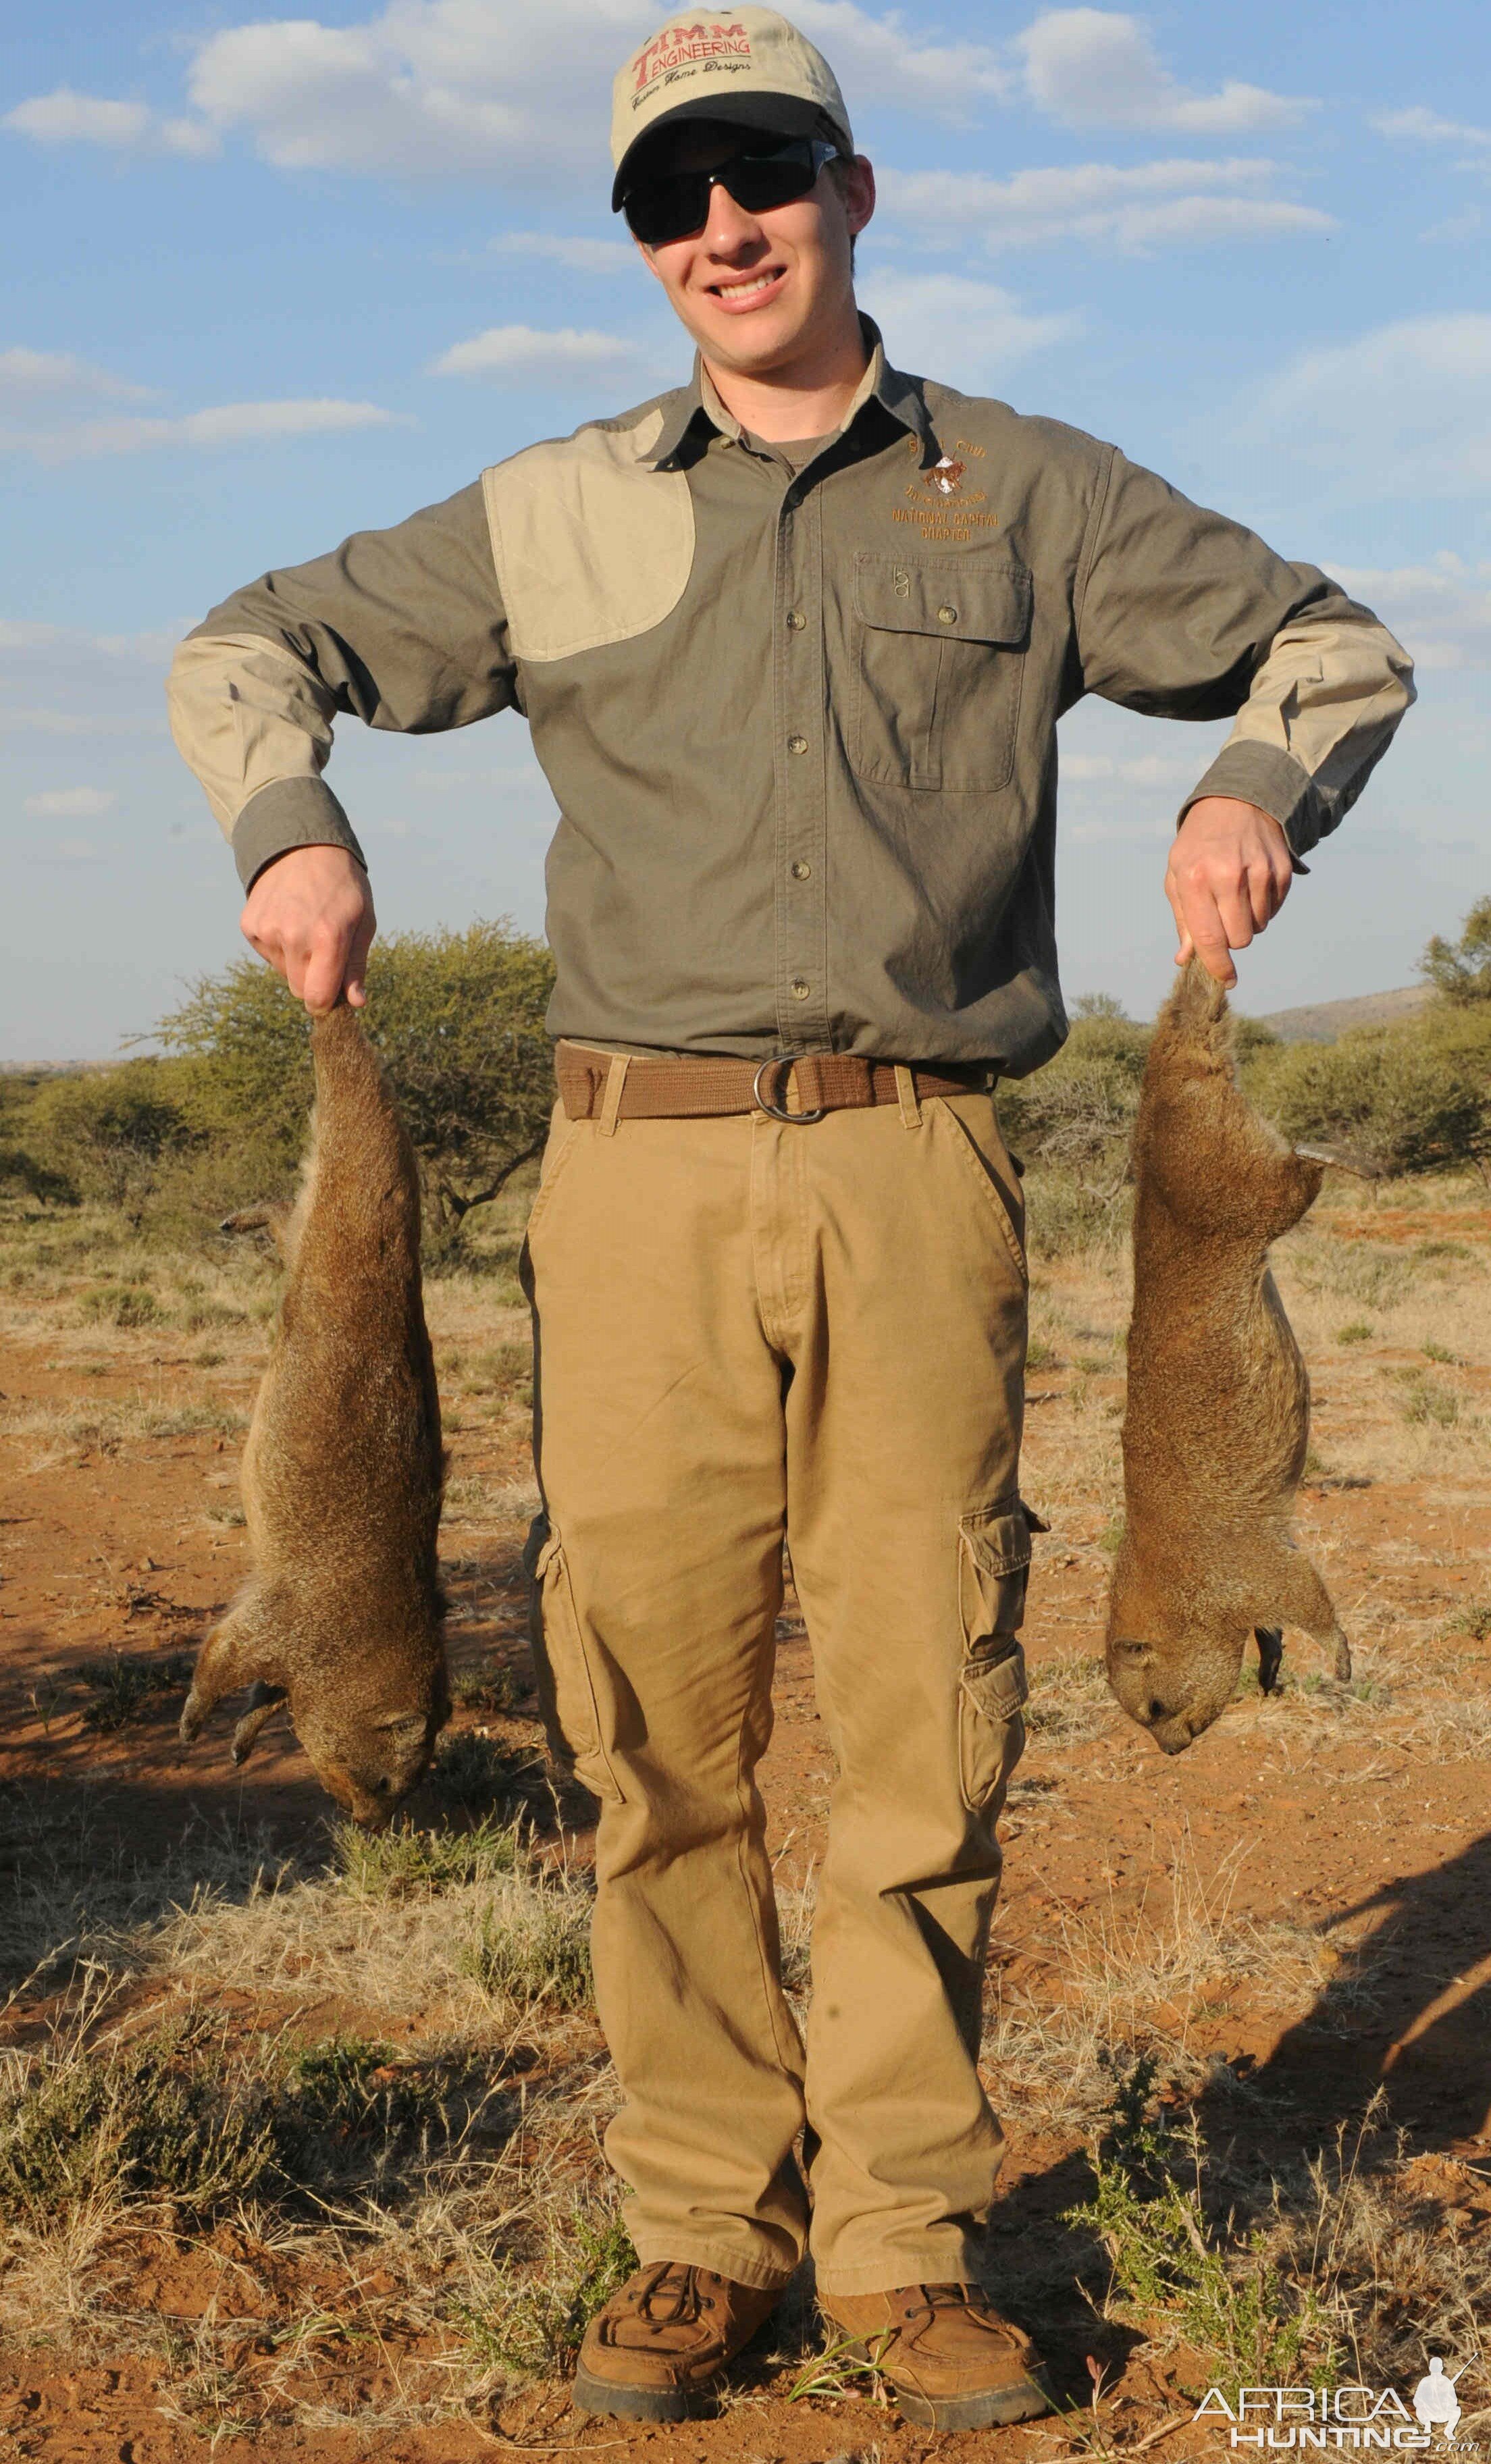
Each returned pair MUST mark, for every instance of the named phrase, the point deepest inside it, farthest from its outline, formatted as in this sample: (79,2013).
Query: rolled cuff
(289,813)
(1272,779)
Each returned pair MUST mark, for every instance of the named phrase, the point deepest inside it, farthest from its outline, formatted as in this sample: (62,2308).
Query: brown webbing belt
(818,1082)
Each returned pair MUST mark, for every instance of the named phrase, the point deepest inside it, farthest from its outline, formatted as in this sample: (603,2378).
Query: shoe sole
(617,2402)
(990,2410)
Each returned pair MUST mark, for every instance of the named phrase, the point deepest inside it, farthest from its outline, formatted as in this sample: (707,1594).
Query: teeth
(740,290)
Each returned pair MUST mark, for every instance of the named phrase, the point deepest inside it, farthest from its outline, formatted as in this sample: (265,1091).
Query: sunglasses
(663,209)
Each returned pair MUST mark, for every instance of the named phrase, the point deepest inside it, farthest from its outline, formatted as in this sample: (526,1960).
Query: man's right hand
(310,914)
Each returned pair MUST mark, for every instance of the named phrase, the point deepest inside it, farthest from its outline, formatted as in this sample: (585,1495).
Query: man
(792,642)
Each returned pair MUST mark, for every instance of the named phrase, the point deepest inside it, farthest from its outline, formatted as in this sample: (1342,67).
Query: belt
(802,1089)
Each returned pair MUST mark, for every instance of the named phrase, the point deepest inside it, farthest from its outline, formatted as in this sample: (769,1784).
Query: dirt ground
(1289,1917)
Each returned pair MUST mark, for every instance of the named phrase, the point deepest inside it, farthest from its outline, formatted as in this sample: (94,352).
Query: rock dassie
(342,1468)
(1216,1423)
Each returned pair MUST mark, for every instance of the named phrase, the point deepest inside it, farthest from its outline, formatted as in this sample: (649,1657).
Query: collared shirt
(799,724)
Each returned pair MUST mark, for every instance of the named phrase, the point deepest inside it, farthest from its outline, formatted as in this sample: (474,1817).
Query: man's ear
(858,191)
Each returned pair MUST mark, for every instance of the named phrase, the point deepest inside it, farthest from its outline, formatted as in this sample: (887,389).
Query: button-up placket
(800,721)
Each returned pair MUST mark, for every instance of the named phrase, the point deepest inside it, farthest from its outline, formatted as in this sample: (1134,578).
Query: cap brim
(779,115)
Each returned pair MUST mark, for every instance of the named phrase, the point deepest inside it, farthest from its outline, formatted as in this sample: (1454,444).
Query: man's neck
(809,398)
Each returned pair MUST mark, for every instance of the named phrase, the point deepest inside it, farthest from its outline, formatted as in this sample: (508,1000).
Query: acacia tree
(1461,970)
(459,1020)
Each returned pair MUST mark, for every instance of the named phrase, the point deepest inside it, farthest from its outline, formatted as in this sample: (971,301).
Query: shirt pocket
(941,662)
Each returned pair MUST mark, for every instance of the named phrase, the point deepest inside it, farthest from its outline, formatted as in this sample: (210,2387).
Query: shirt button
(947,615)
(796,743)
(800,990)
(800,869)
(796,619)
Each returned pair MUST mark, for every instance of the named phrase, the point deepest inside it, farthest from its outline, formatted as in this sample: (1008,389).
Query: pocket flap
(999,1687)
(998,1542)
(539,1550)
(959,599)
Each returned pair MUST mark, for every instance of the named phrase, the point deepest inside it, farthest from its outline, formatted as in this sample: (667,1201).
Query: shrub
(105,1132)
(1396,1099)
(459,1020)
(1461,970)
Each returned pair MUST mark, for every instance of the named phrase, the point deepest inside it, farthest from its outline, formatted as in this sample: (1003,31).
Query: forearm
(1321,712)
(403,629)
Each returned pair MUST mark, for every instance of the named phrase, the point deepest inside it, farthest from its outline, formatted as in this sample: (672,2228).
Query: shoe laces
(673,2295)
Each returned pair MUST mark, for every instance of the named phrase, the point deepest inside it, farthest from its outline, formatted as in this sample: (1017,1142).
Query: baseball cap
(746,66)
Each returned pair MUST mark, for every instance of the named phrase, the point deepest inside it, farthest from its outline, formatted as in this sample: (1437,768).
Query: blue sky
(275,280)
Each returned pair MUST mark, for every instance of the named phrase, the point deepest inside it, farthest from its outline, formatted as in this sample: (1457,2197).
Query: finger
(1185,946)
(1209,936)
(1234,909)
(325,970)
(357,956)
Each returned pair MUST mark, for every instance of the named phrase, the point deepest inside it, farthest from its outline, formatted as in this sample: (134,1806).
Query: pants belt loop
(910,1101)
(611,1104)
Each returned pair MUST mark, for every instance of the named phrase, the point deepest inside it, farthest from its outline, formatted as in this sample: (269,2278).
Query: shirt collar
(697,405)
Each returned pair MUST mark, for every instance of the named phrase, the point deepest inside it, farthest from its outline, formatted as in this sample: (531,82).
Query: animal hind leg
(264,1701)
(1304,1600)
(1270,1652)
(239,1652)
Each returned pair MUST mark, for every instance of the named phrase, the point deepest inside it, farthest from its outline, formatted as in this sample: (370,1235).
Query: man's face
(756,290)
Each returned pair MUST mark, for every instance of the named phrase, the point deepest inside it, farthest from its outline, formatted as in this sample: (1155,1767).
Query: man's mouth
(743,292)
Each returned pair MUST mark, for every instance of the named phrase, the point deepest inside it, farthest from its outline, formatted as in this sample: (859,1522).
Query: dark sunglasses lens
(761,182)
(665,210)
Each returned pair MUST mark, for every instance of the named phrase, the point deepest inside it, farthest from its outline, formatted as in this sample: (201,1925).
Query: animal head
(1173,1670)
(368,1760)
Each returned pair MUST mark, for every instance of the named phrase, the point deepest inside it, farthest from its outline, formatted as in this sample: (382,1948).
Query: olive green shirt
(799,722)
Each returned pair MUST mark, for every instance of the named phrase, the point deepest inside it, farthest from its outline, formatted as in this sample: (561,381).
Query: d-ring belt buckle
(776,1110)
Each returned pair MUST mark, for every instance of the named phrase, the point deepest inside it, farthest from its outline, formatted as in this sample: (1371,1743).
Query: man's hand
(1228,875)
(310,914)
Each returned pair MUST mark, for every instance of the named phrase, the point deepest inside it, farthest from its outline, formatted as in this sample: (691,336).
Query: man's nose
(730,228)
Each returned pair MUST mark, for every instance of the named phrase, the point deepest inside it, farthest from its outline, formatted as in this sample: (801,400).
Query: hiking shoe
(949,2359)
(665,2340)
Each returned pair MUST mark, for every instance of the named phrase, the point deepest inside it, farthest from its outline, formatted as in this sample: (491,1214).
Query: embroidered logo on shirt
(946,477)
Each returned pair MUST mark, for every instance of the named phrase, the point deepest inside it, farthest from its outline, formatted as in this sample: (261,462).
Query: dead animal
(1217,1425)
(342,1468)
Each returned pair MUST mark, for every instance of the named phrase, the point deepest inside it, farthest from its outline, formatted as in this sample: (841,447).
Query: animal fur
(342,1468)
(1217,1424)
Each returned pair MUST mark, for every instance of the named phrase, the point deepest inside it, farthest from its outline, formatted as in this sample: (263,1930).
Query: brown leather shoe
(665,2340)
(953,2362)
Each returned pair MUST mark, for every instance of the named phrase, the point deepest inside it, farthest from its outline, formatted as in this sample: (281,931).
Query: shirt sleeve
(1187,615)
(404,628)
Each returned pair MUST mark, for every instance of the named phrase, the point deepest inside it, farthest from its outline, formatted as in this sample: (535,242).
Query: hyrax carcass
(342,1468)
(1217,1424)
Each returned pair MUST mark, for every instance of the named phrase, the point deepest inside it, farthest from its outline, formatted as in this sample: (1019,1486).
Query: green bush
(106,1132)
(459,1020)
(1397,1099)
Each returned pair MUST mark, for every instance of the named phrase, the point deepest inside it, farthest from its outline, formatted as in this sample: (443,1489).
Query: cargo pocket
(993,1571)
(566,1688)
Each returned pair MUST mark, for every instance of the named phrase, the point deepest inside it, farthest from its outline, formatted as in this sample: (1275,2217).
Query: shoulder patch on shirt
(591,544)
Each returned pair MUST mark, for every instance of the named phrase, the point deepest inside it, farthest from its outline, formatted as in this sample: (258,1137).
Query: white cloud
(527,355)
(233,422)
(64,118)
(1441,609)
(578,256)
(445,87)
(26,373)
(436,88)
(953,327)
(1428,128)
(1098,68)
(1403,411)
(71,803)
(1131,207)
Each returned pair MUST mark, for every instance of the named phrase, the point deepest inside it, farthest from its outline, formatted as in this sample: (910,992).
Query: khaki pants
(745,1329)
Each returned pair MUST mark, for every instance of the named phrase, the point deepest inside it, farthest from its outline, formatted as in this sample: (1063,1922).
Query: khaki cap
(745,65)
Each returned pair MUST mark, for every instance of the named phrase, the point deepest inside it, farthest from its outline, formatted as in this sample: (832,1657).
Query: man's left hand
(1228,875)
